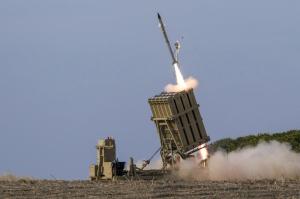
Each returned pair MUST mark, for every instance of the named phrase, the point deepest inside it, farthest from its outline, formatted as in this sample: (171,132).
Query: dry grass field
(161,188)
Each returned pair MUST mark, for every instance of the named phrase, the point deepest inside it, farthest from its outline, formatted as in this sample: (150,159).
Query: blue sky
(74,71)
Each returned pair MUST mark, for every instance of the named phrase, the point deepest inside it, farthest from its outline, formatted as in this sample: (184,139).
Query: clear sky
(74,71)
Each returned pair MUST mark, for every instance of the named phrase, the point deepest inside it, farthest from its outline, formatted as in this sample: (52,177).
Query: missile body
(163,29)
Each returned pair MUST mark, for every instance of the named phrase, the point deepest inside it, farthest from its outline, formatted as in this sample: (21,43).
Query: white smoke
(271,160)
(190,82)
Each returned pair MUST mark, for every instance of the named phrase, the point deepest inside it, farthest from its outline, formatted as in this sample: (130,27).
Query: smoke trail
(182,84)
(265,161)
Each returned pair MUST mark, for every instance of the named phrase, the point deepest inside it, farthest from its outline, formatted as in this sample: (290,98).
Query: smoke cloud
(190,82)
(271,160)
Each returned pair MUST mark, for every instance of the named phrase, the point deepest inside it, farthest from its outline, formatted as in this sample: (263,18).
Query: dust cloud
(270,160)
(11,177)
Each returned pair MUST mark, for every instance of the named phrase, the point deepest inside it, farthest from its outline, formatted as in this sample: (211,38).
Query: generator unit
(179,124)
(107,165)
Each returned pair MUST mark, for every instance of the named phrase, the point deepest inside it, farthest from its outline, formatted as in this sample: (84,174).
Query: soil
(159,188)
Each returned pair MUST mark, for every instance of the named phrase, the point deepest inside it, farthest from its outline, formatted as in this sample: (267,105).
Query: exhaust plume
(182,84)
(271,160)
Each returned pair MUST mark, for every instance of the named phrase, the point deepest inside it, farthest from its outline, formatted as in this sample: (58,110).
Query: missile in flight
(163,29)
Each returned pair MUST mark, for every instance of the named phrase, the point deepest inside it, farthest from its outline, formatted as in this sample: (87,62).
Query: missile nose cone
(158,15)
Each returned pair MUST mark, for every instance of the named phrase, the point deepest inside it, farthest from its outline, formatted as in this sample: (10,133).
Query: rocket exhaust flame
(179,78)
(203,152)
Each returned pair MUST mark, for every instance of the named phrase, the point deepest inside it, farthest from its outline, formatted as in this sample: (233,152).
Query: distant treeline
(292,137)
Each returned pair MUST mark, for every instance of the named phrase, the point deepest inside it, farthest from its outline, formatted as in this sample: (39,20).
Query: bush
(292,137)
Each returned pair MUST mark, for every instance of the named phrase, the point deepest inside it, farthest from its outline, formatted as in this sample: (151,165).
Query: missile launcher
(179,124)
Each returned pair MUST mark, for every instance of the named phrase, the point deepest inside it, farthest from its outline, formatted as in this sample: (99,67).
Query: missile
(163,29)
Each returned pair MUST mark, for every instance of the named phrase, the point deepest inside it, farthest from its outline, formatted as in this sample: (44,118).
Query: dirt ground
(162,188)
